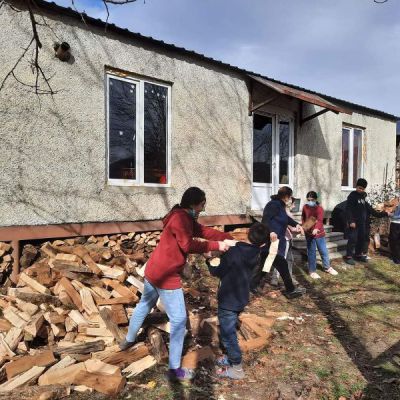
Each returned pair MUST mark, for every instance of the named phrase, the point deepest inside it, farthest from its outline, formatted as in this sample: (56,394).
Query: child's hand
(273,236)
(230,242)
(352,225)
(222,246)
(315,232)
(208,255)
(300,229)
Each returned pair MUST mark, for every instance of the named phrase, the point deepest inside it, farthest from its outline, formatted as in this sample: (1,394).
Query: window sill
(347,189)
(139,189)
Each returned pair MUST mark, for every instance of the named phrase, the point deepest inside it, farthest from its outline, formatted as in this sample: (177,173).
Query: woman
(315,236)
(277,221)
(162,273)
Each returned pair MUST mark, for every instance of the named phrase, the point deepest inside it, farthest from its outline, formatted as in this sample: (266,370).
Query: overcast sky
(348,49)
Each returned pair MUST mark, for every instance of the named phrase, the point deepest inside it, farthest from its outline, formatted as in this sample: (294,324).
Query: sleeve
(224,266)
(270,212)
(292,222)
(209,233)
(374,213)
(320,219)
(184,237)
(350,206)
(303,215)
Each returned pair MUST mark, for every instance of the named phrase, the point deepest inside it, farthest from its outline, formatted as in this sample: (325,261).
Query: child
(358,212)
(315,236)
(235,272)
(394,235)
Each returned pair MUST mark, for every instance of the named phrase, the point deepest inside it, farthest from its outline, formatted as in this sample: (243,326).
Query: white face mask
(311,203)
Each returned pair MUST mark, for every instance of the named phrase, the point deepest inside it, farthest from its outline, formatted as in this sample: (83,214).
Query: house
(136,121)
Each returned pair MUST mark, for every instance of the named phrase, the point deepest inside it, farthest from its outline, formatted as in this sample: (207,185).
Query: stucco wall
(318,153)
(53,150)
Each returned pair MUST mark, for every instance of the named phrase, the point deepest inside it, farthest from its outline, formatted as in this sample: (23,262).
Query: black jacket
(235,272)
(358,209)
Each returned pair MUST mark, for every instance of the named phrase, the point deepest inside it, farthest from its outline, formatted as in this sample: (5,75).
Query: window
(352,159)
(138,125)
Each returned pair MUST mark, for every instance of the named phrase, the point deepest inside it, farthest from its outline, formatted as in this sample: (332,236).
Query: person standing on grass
(162,273)
(358,213)
(394,235)
(315,236)
(235,272)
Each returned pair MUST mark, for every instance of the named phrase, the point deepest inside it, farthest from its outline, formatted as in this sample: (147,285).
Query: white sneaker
(314,275)
(331,271)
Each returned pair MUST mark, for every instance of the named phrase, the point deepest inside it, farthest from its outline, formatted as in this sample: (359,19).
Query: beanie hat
(362,182)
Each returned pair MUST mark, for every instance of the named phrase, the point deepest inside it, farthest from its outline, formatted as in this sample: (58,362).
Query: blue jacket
(235,272)
(277,220)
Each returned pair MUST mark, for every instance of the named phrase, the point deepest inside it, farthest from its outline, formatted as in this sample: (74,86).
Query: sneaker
(180,374)
(349,260)
(396,261)
(233,372)
(223,361)
(274,282)
(297,292)
(295,281)
(125,345)
(361,258)
(331,271)
(314,275)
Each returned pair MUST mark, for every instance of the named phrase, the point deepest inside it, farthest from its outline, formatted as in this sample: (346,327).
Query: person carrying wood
(162,273)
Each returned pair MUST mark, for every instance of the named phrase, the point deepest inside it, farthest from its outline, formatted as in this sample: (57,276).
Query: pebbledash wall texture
(53,149)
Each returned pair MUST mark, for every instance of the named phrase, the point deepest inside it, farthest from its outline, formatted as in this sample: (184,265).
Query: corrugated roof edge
(51,6)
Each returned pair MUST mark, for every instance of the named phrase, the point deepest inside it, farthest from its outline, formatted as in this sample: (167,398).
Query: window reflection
(262,149)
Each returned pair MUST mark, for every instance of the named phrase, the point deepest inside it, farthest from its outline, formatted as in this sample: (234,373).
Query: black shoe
(297,292)
(361,258)
(125,345)
(349,260)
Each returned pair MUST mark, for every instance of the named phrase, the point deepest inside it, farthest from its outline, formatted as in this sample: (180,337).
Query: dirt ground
(342,342)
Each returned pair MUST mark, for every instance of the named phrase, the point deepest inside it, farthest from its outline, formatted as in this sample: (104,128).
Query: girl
(162,279)
(315,236)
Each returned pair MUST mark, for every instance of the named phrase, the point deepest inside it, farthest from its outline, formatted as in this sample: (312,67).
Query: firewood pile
(62,322)
(5,261)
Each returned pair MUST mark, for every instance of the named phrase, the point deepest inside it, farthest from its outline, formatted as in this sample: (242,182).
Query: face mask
(192,213)
(311,203)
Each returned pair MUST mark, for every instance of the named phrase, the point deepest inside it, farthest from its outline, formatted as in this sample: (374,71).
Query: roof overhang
(302,95)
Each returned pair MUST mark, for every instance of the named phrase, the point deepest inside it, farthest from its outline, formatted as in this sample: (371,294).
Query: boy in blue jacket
(235,272)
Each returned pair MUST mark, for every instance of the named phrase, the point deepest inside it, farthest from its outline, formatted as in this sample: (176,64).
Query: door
(272,157)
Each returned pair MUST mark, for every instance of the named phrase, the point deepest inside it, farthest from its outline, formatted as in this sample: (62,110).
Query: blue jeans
(312,245)
(227,326)
(174,304)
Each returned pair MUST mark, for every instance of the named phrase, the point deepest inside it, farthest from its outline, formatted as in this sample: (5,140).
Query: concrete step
(301,256)
(330,237)
(331,246)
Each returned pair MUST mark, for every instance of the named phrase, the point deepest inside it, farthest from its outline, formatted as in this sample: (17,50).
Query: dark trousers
(228,321)
(394,241)
(356,240)
(282,267)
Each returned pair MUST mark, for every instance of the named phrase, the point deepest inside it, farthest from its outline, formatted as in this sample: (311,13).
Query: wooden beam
(317,114)
(264,103)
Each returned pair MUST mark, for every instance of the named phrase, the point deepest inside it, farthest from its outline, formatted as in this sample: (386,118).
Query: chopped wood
(84,254)
(27,307)
(5,325)
(5,349)
(61,375)
(106,315)
(139,366)
(54,318)
(22,364)
(35,298)
(107,384)
(95,331)
(159,350)
(34,325)
(20,380)
(13,317)
(121,289)
(100,367)
(139,285)
(84,348)
(33,284)
(48,250)
(124,358)
(63,363)
(78,318)
(72,293)
(193,358)
(113,273)
(87,301)
(116,300)
(101,292)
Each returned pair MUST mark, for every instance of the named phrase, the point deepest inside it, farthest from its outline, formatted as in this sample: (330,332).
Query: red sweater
(317,212)
(176,242)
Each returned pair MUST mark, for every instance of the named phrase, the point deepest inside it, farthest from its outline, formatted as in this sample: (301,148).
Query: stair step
(330,245)
(330,237)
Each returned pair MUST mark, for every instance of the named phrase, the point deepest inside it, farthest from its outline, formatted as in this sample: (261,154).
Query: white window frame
(351,155)
(139,168)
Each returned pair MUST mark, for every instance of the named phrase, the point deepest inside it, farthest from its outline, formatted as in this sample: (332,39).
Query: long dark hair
(284,191)
(191,197)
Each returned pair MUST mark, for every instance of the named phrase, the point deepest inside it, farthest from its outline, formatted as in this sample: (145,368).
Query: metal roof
(55,8)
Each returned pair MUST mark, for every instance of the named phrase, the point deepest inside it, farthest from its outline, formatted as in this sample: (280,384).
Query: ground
(342,343)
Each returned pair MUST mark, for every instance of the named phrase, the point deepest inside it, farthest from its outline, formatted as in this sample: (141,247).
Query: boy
(394,235)
(358,212)
(235,272)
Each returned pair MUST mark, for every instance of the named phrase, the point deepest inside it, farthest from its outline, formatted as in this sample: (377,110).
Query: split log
(100,367)
(139,366)
(33,284)
(72,293)
(159,350)
(61,375)
(106,384)
(87,301)
(124,358)
(84,348)
(193,358)
(35,298)
(116,300)
(106,315)
(20,380)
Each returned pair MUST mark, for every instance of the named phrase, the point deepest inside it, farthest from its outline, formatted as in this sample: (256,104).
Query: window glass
(262,149)
(357,155)
(122,129)
(345,157)
(284,137)
(155,133)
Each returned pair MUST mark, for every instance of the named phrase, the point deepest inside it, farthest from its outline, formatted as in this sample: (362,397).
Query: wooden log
(139,366)
(27,307)
(124,358)
(113,273)
(63,363)
(139,285)
(159,350)
(106,315)
(72,293)
(87,301)
(54,318)
(193,358)
(61,375)
(97,366)
(13,337)
(29,376)
(84,254)
(35,298)
(253,344)
(106,384)
(22,364)
(101,292)
(95,331)
(84,348)
(116,300)
(121,289)
(48,250)
(13,317)
(33,284)
(5,350)
(34,325)
(5,325)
